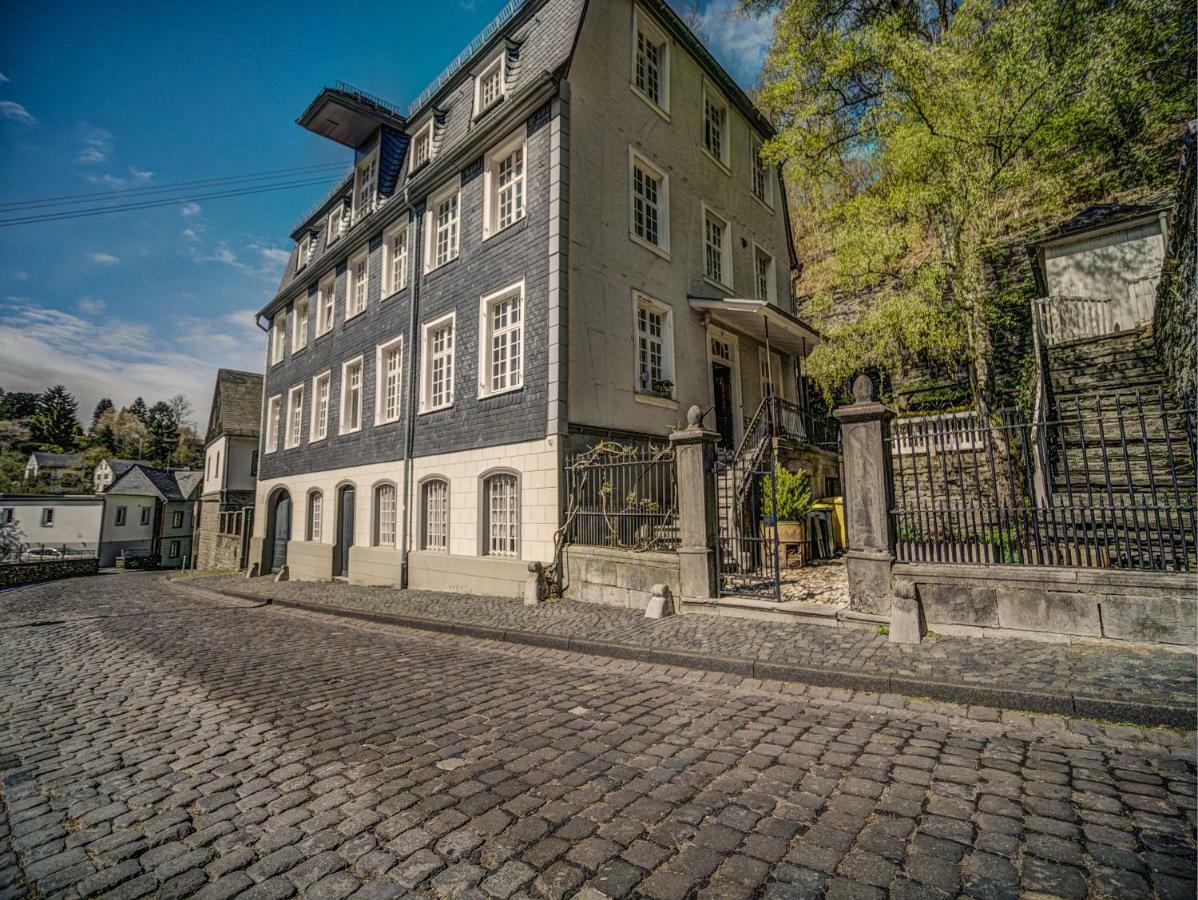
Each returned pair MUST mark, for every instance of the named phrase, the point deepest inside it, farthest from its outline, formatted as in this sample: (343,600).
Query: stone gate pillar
(868,498)
(694,459)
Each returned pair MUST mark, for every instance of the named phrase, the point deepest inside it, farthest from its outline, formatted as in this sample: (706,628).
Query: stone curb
(1136,712)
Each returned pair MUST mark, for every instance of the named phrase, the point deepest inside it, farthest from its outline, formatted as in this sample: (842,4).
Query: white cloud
(4,79)
(267,267)
(10,109)
(276,254)
(122,359)
(20,276)
(93,306)
(103,259)
(97,146)
(135,178)
(190,234)
(190,209)
(738,41)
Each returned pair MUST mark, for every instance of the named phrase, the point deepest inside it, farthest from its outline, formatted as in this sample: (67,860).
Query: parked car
(43,553)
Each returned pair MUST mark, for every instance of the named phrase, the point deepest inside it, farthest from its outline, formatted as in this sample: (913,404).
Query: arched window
(434,503)
(501,515)
(315,515)
(384,515)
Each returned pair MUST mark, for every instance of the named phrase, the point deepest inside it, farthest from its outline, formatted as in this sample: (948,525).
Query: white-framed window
(366,187)
(145,515)
(649,203)
(305,249)
(650,61)
(384,515)
(177,519)
(315,515)
(760,183)
(388,392)
(717,249)
(764,282)
(299,325)
(422,146)
(437,339)
(278,337)
(501,515)
(501,341)
(395,259)
(321,387)
(443,225)
(489,85)
(504,197)
(654,347)
(358,285)
(351,396)
(122,515)
(767,372)
(47,516)
(715,125)
(175,549)
(326,298)
(295,416)
(274,414)
(339,217)
(435,505)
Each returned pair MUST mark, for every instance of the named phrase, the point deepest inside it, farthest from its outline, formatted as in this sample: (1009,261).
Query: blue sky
(101,97)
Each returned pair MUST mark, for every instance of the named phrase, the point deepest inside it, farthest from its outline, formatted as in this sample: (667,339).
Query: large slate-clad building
(569,235)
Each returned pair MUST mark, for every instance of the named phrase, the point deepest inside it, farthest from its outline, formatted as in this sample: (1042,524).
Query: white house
(63,522)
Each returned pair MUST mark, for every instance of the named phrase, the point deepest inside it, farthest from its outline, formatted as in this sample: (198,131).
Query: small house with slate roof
(149,515)
(50,466)
(230,470)
(109,470)
(570,234)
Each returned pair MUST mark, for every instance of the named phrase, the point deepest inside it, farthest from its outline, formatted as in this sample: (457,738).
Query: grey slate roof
(540,37)
(236,404)
(121,466)
(56,460)
(166,484)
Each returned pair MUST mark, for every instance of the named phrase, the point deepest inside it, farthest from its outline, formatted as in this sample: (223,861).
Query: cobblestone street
(159,742)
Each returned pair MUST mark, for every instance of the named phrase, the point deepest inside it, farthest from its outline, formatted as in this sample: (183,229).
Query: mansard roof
(236,404)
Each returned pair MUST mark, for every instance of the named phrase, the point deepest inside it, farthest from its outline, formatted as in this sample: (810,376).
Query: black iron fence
(622,496)
(1106,483)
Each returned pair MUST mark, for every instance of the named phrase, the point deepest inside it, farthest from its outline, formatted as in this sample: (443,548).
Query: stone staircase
(1111,365)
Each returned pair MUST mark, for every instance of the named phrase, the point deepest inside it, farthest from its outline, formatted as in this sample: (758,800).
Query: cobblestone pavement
(155,742)
(1086,670)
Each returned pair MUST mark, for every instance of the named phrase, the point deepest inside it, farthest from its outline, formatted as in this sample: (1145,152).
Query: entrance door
(721,381)
(345,532)
(282,532)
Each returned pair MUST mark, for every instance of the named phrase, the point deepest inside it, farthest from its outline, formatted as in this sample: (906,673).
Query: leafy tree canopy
(919,136)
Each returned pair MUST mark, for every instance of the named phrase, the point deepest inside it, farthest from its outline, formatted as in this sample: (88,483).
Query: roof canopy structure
(349,116)
(762,321)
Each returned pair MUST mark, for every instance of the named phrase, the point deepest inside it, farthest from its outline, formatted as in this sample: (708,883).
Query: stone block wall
(618,577)
(31,572)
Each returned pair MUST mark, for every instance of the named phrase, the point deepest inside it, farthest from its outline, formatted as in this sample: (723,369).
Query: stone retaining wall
(1056,603)
(30,572)
(618,577)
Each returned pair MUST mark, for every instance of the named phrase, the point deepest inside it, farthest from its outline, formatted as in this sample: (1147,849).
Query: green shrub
(793,492)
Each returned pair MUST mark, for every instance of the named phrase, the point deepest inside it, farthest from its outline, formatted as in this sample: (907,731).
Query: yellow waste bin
(836,505)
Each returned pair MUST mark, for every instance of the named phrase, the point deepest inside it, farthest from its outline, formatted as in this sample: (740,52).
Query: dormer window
(488,86)
(422,146)
(305,250)
(366,185)
(338,219)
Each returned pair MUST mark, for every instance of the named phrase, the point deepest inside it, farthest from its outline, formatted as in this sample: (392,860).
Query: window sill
(719,285)
(393,294)
(651,247)
(317,440)
(655,400)
(322,334)
(295,350)
(499,232)
(724,167)
(424,411)
(650,102)
(345,431)
(380,422)
(356,315)
(487,395)
(486,110)
(768,206)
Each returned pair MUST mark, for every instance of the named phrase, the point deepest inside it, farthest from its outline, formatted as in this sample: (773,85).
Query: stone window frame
(314,516)
(423,485)
(376,509)
(484,524)
(316,419)
(644,22)
(637,159)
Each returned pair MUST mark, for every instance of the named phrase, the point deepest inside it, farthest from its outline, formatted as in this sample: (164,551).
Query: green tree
(140,410)
(53,423)
(102,407)
(163,430)
(17,404)
(919,137)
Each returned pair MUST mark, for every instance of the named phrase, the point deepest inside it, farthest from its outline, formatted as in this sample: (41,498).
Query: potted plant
(792,492)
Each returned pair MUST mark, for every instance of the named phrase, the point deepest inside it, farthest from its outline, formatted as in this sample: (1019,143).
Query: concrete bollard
(535,589)
(284,575)
(907,625)
(661,604)
(252,572)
